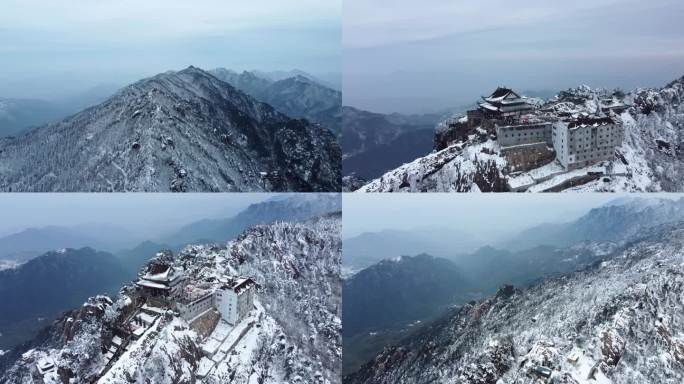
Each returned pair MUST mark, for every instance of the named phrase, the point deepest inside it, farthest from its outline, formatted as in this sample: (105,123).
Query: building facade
(191,309)
(232,300)
(519,134)
(585,141)
(522,133)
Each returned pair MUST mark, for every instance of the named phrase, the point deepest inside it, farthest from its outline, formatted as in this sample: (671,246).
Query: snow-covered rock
(462,167)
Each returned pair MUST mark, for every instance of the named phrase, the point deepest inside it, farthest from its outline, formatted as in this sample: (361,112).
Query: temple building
(163,281)
(587,140)
(530,137)
(504,103)
(166,286)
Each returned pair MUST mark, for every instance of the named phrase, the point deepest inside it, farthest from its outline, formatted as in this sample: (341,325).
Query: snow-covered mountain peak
(180,131)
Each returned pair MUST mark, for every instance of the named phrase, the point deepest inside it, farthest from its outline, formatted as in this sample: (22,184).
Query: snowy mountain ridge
(649,159)
(177,131)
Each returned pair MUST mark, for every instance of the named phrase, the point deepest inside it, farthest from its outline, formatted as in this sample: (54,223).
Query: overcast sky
(148,214)
(481,215)
(49,48)
(408,56)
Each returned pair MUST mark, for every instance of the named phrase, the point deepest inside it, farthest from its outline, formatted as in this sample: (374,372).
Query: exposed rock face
(656,131)
(457,131)
(177,131)
(454,130)
(605,323)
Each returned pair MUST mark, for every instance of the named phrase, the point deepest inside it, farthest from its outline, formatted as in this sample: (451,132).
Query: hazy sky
(148,214)
(49,48)
(408,56)
(478,214)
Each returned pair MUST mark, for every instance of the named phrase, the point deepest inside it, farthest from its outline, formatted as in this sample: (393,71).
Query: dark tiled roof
(157,268)
(501,91)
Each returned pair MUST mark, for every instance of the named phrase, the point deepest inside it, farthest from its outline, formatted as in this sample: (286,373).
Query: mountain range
(388,301)
(615,221)
(19,247)
(394,291)
(368,248)
(32,294)
(293,207)
(612,222)
(32,242)
(297,94)
(425,287)
(177,131)
(601,324)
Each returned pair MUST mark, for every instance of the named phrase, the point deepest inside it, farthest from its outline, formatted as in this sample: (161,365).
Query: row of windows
(204,303)
(592,156)
(524,134)
(603,148)
(597,143)
(587,138)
